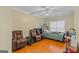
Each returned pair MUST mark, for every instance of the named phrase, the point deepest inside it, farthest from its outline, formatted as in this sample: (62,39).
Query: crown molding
(26,12)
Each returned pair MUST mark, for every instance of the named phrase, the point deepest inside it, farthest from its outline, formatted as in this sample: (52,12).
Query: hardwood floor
(44,46)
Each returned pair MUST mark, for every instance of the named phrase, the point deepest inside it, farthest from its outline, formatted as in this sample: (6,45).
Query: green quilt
(54,36)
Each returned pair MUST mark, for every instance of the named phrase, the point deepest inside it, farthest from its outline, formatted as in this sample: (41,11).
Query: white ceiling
(46,11)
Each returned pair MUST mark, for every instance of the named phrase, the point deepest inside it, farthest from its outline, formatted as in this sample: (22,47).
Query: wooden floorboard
(44,46)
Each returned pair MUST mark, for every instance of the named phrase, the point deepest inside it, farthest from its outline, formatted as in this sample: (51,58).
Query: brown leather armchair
(17,40)
(34,35)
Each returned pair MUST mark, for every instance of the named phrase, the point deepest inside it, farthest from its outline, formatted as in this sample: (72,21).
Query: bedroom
(25,18)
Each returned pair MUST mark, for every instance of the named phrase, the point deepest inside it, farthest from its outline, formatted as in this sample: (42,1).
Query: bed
(54,36)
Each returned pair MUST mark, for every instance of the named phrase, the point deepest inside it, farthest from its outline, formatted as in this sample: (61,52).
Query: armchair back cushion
(33,33)
(17,35)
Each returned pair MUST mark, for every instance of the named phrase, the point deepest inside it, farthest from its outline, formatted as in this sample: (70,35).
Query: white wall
(5,28)
(25,22)
(76,21)
(69,21)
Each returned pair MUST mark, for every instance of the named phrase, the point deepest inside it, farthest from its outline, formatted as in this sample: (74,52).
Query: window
(57,26)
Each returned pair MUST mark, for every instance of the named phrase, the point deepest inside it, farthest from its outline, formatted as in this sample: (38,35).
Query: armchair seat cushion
(38,36)
(20,41)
